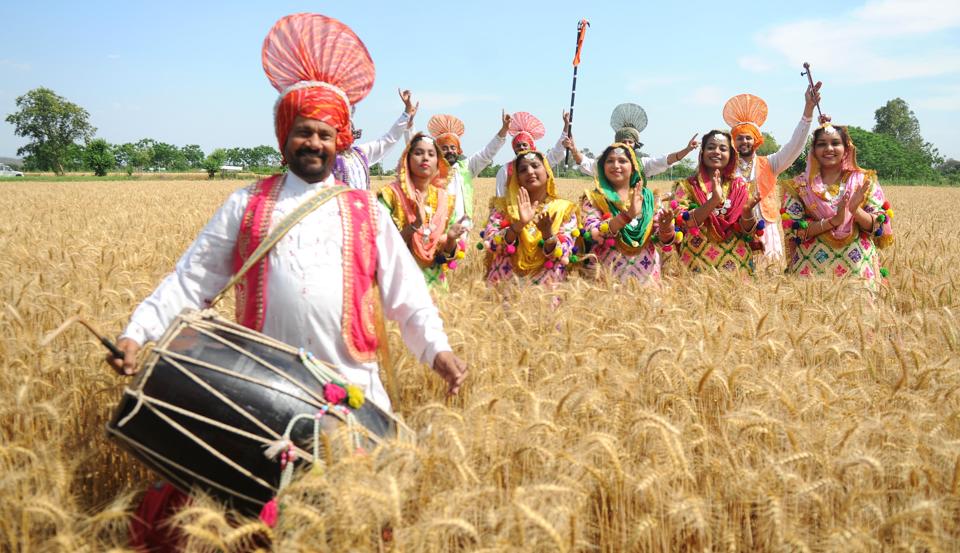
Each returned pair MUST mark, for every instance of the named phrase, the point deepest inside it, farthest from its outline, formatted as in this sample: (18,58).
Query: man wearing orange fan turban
(324,285)
(746,113)
(447,130)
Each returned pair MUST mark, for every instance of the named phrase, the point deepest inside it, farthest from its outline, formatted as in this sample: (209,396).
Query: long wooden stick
(114,350)
(581,32)
(806,66)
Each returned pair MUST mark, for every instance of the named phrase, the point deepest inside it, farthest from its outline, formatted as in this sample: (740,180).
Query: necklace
(830,192)
(746,167)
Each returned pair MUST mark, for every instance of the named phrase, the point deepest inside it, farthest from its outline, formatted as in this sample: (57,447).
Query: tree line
(61,138)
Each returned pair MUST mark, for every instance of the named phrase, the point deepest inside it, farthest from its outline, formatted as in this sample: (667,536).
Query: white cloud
(756,64)
(708,95)
(880,41)
(18,66)
(450,100)
(948,99)
(643,84)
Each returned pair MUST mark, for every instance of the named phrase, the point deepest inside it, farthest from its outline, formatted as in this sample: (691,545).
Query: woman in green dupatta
(619,220)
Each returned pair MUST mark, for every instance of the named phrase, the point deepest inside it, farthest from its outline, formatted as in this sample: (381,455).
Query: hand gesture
(715,198)
(752,202)
(841,214)
(692,145)
(665,218)
(636,203)
(452,369)
(811,98)
(128,365)
(408,106)
(506,117)
(545,224)
(566,123)
(527,210)
(455,231)
(856,199)
(569,144)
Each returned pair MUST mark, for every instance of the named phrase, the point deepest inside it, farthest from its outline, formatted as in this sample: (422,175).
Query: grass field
(708,414)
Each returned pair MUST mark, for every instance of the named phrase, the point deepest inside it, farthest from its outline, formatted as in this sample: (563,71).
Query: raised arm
(478,161)
(789,152)
(376,149)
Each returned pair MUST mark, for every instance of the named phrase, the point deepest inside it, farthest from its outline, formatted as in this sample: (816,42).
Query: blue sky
(189,72)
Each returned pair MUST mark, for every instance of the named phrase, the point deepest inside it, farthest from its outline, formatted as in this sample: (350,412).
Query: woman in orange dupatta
(422,209)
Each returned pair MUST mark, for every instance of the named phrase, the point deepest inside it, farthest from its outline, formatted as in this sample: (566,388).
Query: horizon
(198,80)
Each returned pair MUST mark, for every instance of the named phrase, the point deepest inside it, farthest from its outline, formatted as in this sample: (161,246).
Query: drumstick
(810,78)
(114,350)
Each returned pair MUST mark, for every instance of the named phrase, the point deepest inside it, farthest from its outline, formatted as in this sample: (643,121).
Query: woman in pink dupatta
(835,215)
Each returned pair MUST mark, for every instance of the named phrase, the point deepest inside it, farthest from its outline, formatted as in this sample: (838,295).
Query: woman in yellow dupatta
(531,232)
(422,210)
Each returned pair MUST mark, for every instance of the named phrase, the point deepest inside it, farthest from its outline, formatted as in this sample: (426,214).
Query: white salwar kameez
(354,166)
(473,164)
(554,156)
(780,160)
(305,286)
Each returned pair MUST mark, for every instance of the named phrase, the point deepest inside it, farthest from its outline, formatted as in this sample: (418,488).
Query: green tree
(950,169)
(769,145)
(213,161)
(885,155)
(99,156)
(192,155)
(168,157)
(53,125)
(896,120)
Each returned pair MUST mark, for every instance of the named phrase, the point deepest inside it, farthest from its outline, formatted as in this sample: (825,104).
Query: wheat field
(711,413)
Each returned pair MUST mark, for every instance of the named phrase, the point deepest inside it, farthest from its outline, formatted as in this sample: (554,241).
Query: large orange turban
(446,130)
(320,67)
(745,113)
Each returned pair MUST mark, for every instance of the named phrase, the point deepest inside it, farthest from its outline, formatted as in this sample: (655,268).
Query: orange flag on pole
(581,31)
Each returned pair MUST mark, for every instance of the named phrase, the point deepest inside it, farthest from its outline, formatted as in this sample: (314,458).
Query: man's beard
(309,171)
(749,153)
(451,158)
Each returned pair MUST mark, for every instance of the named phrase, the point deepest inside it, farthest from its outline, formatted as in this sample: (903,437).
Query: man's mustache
(303,152)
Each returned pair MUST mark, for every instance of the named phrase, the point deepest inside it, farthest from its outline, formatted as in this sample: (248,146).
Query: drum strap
(281,229)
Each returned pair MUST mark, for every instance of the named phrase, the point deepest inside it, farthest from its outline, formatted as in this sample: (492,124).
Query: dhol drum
(223,408)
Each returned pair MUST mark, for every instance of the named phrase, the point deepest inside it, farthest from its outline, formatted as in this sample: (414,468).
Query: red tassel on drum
(269,513)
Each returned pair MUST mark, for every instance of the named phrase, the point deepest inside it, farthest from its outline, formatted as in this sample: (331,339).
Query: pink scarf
(723,225)
(826,209)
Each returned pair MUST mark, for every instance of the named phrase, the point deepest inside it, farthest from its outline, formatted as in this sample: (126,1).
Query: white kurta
(354,166)
(779,162)
(651,166)
(474,164)
(554,156)
(305,285)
